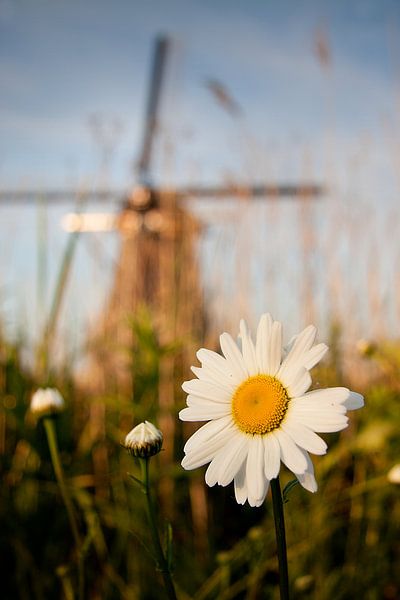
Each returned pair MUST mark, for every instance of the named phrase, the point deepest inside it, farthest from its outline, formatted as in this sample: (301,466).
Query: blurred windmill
(156,267)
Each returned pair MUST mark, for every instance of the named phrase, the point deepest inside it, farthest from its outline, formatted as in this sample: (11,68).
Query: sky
(66,65)
(62,62)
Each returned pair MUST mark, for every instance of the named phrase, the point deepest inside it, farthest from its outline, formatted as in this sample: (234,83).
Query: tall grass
(343,541)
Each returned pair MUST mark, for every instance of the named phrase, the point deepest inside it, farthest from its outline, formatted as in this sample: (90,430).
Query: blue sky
(61,62)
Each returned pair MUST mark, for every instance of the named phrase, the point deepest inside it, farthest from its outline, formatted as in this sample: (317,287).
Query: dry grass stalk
(157,269)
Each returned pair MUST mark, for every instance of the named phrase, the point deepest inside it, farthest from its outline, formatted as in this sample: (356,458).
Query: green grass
(343,542)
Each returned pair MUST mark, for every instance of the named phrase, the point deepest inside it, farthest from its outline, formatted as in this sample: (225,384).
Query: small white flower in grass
(259,410)
(144,440)
(394,474)
(46,402)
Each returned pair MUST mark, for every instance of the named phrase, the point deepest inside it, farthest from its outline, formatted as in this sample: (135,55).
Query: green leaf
(145,546)
(169,545)
(287,489)
(138,481)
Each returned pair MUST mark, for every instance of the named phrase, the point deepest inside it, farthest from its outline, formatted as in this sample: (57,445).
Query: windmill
(156,229)
(156,266)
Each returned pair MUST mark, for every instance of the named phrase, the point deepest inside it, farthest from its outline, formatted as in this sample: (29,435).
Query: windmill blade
(136,201)
(58,196)
(261,190)
(161,48)
(89,222)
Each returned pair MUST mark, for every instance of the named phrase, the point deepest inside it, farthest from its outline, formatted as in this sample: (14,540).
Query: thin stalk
(58,470)
(41,283)
(280,538)
(161,560)
(61,285)
(44,350)
(66,583)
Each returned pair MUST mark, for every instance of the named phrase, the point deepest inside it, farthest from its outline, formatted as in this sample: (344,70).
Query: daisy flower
(260,411)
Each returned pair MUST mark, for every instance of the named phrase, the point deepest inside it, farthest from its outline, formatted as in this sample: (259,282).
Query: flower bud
(46,402)
(144,440)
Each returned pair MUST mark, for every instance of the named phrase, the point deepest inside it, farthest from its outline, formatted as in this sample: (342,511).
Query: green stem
(44,350)
(55,458)
(162,563)
(280,538)
(66,583)
(61,285)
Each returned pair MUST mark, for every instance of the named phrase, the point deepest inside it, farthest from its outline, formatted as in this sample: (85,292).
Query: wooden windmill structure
(157,268)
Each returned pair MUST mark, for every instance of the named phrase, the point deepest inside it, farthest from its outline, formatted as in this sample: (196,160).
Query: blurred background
(166,169)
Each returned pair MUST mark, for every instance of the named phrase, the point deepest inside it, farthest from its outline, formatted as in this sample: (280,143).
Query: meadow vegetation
(343,541)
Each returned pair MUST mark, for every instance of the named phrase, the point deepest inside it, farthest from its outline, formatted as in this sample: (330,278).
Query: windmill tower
(156,267)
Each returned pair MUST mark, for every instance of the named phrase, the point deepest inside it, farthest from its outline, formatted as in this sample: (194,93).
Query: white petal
(304,341)
(233,356)
(211,358)
(201,402)
(290,376)
(263,337)
(321,408)
(258,500)
(216,362)
(203,453)
(204,412)
(248,349)
(299,384)
(287,348)
(291,455)
(303,436)
(207,390)
(301,346)
(275,349)
(335,394)
(228,461)
(354,401)
(272,456)
(269,345)
(240,485)
(233,459)
(322,421)
(334,397)
(207,432)
(314,355)
(255,476)
(214,376)
(306,407)
(307,479)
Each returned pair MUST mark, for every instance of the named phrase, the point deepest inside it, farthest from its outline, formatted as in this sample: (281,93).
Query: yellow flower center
(259,404)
